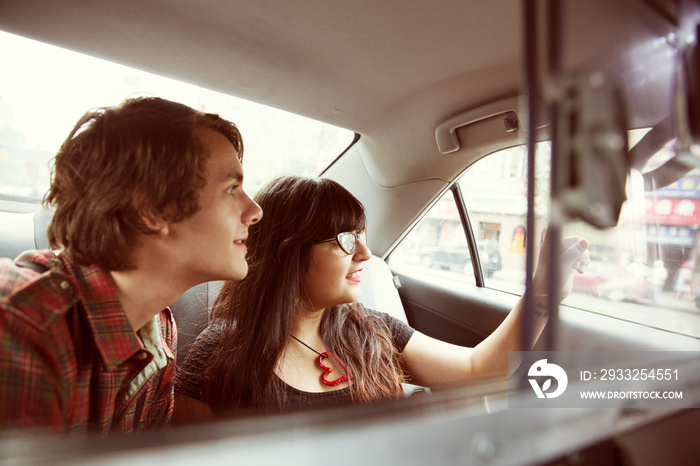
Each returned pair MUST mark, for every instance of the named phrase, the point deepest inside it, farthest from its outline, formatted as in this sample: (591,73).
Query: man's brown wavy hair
(119,163)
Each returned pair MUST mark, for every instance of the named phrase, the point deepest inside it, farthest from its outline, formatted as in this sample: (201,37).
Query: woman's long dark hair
(257,314)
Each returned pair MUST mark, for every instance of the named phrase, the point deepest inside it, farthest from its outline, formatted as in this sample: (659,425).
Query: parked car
(416,102)
(458,258)
(613,282)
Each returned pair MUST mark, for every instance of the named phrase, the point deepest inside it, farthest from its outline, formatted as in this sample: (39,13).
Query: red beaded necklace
(327,370)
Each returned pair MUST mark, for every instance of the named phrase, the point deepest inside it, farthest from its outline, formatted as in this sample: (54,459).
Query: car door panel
(451,310)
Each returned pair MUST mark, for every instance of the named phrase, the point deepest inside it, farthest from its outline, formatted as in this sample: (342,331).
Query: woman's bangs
(343,213)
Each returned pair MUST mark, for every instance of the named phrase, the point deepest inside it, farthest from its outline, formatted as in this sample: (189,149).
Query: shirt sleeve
(400,331)
(30,395)
(32,353)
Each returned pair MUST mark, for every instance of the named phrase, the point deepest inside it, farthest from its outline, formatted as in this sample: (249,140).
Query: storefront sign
(688,188)
(670,235)
(673,211)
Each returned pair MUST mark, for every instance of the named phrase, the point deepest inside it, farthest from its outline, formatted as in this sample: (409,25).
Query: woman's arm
(432,362)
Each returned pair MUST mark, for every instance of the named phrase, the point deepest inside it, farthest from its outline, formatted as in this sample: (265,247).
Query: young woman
(275,335)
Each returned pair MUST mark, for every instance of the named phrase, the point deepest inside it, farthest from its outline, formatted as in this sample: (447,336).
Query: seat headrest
(42,218)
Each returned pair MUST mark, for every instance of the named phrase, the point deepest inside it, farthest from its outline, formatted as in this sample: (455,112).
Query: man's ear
(154,222)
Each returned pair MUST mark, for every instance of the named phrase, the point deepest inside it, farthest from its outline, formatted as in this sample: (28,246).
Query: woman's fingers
(573,252)
(575,255)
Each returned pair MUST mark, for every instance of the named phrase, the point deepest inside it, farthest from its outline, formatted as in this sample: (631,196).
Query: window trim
(469,233)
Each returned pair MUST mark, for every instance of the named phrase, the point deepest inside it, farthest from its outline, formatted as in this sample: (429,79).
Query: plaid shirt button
(64,285)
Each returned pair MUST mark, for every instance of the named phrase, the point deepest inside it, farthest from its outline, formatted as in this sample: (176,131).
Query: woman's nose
(362,253)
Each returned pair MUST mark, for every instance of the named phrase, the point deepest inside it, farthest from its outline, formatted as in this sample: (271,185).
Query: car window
(647,269)
(438,242)
(45,89)
(494,190)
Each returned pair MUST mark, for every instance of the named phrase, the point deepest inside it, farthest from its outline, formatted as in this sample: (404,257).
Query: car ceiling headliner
(391,71)
(382,69)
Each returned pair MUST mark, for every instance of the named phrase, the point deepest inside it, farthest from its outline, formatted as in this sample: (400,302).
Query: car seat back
(380,289)
(16,233)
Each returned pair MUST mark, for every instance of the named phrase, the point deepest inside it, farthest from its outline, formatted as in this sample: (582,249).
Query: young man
(148,203)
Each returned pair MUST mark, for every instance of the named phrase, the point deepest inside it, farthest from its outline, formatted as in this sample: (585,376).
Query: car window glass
(646,269)
(45,89)
(495,193)
(438,243)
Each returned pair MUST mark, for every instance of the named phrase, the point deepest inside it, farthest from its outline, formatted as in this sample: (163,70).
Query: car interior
(474,125)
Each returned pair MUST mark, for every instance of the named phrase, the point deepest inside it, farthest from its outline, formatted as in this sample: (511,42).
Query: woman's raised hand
(573,258)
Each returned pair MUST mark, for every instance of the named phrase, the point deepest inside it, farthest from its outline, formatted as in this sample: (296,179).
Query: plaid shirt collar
(105,314)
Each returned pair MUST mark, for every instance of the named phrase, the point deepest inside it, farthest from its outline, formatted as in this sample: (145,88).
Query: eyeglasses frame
(357,236)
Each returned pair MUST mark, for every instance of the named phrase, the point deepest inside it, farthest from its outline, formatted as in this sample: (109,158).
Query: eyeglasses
(348,240)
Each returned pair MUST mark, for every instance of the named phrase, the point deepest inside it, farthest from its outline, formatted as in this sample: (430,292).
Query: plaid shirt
(69,359)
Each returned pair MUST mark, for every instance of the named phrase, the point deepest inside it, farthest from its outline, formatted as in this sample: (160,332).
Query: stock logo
(541,369)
